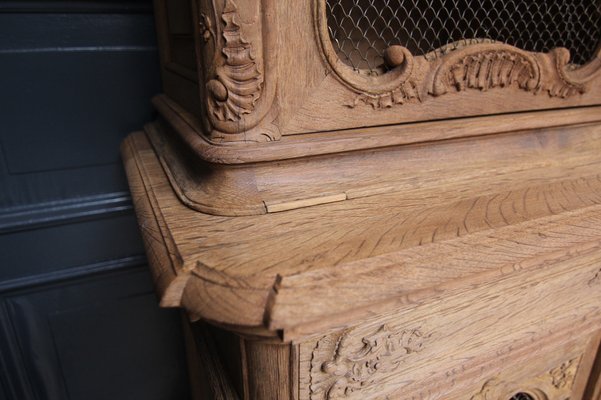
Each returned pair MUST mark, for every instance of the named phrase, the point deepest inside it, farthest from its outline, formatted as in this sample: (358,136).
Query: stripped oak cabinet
(359,199)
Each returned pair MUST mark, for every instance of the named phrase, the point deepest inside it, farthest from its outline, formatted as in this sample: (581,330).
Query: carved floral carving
(206,28)
(479,65)
(408,91)
(563,375)
(347,364)
(237,83)
(492,389)
(556,383)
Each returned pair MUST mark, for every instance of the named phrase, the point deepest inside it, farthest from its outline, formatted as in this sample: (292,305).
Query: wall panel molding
(98,6)
(83,272)
(78,315)
(63,211)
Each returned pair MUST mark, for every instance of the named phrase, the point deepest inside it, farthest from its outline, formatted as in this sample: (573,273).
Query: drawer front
(524,333)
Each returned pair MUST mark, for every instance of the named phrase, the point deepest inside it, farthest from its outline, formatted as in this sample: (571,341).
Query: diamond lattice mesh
(362,29)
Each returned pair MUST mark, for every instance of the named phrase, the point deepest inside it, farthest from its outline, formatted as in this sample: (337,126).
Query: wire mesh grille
(362,29)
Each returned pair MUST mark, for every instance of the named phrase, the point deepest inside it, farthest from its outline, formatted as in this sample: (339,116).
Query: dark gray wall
(78,316)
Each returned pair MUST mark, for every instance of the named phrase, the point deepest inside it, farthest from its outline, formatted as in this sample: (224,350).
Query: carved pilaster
(237,52)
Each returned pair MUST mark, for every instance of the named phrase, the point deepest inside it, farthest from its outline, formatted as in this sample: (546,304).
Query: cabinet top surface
(484,208)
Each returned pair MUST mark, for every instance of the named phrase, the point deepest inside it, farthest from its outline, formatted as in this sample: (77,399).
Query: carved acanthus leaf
(347,365)
(237,83)
(563,86)
(406,92)
(206,28)
(485,70)
(476,64)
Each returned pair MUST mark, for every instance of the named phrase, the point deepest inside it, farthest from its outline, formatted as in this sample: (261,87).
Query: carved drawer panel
(556,383)
(460,346)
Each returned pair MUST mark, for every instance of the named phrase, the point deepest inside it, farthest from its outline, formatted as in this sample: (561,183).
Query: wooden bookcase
(408,225)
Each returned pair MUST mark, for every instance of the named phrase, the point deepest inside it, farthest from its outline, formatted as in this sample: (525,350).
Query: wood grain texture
(242,180)
(541,202)
(453,341)
(485,252)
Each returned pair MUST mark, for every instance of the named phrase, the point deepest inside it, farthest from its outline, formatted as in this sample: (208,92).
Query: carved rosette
(351,364)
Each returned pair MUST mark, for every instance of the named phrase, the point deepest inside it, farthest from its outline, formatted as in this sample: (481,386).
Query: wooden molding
(343,141)
(201,171)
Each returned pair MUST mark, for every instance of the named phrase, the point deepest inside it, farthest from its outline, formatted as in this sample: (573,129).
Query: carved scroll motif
(557,383)
(478,65)
(563,375)
(347,364)
(564,85)
(492,389)
(237,83)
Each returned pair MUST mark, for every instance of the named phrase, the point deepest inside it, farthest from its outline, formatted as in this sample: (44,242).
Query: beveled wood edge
(262,312)
(174,282)
(342,141)
(156,247)
(584,379)
(237,204)
(285,310)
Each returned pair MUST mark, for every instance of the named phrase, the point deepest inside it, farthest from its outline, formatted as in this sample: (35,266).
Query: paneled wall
(78,316)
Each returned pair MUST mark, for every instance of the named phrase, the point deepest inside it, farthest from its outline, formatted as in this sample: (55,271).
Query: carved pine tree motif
(237,85)
(347,364)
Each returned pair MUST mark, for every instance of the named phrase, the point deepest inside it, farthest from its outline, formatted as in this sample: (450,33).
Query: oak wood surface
(546,195)
(428,231)
(483,254)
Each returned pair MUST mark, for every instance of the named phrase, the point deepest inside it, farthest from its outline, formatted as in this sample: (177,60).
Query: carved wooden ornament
(237,59)
(473,63)
(347,365)
(555,384)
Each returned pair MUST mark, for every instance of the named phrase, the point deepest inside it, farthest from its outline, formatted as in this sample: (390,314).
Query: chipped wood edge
(262,308)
